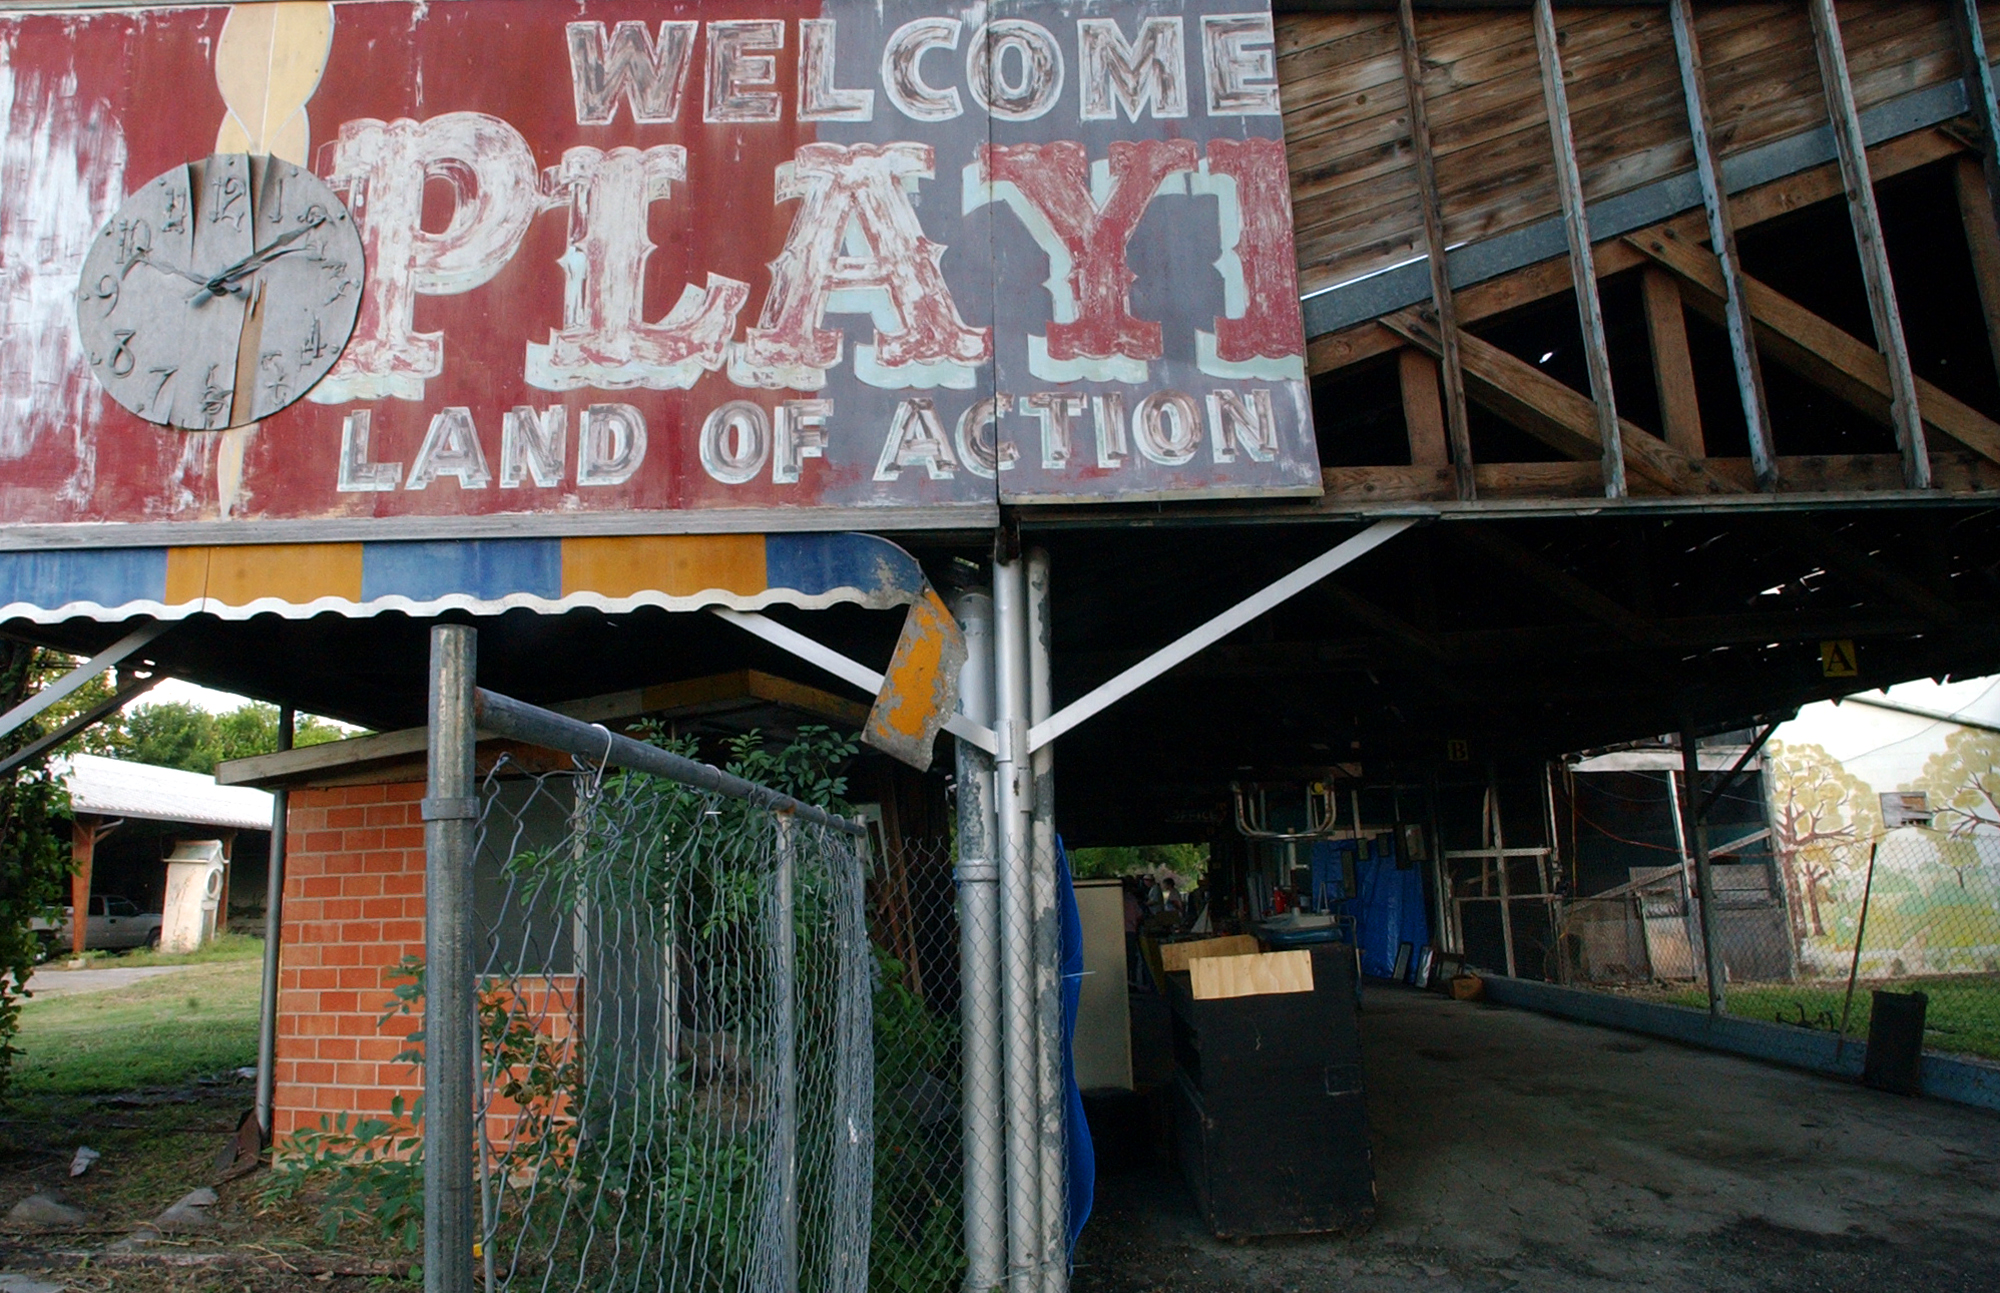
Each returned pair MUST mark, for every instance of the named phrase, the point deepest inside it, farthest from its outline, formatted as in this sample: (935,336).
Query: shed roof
(115,788)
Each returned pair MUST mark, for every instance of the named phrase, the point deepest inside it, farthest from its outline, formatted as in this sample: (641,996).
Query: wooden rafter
(1852,149)
(1673,366)
(1558,416)
(1582,269)
(1496,296)
(1816,349)
(1458,433)
(1722,236)
(1553,579)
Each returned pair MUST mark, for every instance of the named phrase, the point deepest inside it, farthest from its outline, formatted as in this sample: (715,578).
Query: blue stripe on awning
(816,564)
(106,576)
(486,569)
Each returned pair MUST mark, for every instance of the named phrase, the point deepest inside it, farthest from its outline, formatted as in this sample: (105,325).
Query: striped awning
(484,576)
(744,572)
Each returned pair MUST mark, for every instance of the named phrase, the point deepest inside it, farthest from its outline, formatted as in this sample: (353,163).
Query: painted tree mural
(1822,820)
(1963,782)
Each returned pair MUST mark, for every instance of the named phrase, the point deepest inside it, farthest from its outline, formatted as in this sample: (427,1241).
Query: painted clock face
(220,292)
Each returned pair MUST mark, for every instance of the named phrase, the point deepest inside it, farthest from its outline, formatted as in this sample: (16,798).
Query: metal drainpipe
(1013,794)
(274,924)
(1048,944)
(985,1183)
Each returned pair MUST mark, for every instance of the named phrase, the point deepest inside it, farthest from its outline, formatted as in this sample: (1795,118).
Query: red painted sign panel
(737,264)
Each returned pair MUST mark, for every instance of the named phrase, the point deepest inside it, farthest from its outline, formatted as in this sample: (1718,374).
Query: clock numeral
(122,360)
(165,375)
(227,205)
(135,243)
(215,400)
(277,215)
(107,291)
(313,346)
(177,211)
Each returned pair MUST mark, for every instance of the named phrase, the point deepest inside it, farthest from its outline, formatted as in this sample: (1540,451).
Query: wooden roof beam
(1553,579)
(1815,348)
(1582,268)
(1458,432)
(1558,416)
(1852,148)
(1332,351)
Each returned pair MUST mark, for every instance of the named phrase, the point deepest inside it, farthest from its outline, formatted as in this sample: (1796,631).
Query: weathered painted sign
(737,264)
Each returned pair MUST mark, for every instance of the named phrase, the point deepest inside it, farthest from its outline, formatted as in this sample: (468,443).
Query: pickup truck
(114,923)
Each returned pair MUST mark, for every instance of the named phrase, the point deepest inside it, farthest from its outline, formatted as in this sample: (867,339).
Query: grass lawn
(163,1031)
(223,947)
(1962,1016)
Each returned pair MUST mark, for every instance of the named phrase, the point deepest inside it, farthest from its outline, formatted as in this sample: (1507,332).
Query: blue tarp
(1082,1154)
(1388,902)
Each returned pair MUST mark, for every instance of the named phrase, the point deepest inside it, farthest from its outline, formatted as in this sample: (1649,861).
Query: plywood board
(1257,974)
(1174,957)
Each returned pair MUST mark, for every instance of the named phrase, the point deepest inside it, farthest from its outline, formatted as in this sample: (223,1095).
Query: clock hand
(170,269)
(256,260)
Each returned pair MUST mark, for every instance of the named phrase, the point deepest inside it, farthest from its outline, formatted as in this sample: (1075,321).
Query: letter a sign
(644,266)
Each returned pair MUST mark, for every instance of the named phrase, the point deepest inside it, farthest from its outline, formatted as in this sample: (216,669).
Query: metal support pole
(450,810)
(274,925)
(1704,878)
(784,970)
(1048,944)
(1014,796)
(979,962)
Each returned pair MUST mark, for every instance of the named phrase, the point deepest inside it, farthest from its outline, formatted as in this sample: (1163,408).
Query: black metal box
(1270,1123)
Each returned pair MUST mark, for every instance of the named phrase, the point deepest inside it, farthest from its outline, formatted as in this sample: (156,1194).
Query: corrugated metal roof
(115,788)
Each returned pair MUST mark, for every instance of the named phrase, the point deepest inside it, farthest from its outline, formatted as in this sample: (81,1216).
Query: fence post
(785,972)
(274,928)
(1014,796)
(979,962)
(1704,878)
(450,812)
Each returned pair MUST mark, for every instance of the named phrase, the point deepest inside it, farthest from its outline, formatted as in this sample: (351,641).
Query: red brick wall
(354,906)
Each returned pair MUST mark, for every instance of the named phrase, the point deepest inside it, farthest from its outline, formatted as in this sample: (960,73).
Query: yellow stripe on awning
(678,565)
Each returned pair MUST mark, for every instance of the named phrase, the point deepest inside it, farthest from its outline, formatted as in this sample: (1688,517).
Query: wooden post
(1458,429)
(1582,265)
(1853,150)
(1673,369)
(1722,234)
(82,851)
(1982,239)
(1422,413)
(1978,77)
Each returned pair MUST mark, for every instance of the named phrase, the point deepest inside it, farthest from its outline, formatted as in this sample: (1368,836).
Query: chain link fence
(1842,893)
(719,1048)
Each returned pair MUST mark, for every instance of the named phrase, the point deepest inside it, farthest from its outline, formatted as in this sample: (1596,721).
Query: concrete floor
(1516,1151)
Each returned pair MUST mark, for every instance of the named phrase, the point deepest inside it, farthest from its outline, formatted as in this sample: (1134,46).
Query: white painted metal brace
(1101,698)
(83,673)
(840,666)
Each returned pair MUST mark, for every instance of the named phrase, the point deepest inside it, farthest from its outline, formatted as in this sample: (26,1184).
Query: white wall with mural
(1907,778)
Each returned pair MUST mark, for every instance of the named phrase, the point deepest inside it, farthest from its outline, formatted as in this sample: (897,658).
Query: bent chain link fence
(1811,920)
(719,1045)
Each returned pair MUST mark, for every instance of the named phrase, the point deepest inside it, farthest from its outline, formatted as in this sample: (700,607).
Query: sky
(1885,748)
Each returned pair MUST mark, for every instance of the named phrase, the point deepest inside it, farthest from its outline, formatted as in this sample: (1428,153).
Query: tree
(1963,782)
(175,734)
(34,855)
(1189,860)
(1822,817)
